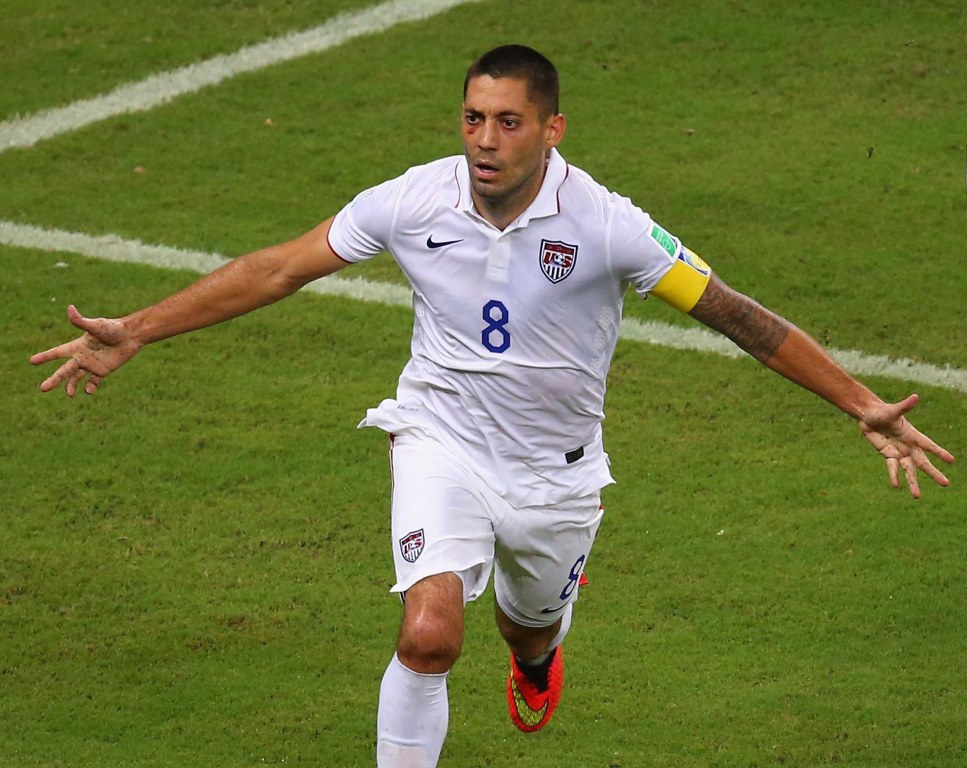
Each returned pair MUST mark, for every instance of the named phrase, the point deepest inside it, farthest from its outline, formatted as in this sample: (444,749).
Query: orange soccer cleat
(530,706)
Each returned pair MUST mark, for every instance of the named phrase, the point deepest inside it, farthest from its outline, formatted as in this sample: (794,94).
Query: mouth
(484,170)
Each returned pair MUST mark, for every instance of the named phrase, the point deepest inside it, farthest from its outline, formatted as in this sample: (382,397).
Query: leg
(527,643)
(540,559)
(413,707)
(538,575)
(431,634)
(443,552)
(536,677)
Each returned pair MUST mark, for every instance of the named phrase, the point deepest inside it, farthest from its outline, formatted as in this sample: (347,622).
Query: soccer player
(518,264)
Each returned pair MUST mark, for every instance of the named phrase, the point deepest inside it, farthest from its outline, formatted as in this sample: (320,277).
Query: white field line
(158,89)
(113,248)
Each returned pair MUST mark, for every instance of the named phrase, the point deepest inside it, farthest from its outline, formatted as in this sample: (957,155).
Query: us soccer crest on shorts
(411,545)
(557,259)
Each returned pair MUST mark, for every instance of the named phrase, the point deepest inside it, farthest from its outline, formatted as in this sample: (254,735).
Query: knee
(431,635)
(430,641)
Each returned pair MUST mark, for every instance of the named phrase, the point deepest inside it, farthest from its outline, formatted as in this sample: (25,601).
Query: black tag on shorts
(571,456)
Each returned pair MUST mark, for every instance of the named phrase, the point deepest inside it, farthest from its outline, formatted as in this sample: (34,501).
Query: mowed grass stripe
(114,248)
(165,86)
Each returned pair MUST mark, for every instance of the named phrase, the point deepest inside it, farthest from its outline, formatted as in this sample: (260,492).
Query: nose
(487,135)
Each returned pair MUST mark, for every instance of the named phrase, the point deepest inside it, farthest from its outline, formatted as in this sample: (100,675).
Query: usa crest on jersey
(411,545)
(557,259)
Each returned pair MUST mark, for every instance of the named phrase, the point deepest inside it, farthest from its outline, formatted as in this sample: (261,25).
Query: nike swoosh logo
(527,715)
(431,243)
(554,610)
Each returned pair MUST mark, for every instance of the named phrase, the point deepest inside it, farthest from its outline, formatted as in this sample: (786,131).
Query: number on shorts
(576,571)
(495,335)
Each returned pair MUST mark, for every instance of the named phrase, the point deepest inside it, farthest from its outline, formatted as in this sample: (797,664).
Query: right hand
(105,346)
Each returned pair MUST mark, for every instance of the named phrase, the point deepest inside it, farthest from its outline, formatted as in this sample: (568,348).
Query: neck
(504,209)
(497,213)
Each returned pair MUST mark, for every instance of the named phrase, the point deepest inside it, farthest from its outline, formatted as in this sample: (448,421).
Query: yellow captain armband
(683,285)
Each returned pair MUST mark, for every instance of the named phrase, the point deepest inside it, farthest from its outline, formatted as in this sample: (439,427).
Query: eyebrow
(505,113)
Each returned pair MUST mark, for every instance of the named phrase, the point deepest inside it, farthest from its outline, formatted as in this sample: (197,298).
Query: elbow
(268,270)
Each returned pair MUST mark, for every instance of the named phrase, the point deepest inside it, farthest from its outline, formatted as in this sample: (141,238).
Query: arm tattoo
(750,325)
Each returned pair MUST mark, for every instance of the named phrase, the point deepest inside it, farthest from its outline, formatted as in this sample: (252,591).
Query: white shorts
(444,519)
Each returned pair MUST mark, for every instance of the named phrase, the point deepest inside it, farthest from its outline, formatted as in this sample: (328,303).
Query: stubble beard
(503,196)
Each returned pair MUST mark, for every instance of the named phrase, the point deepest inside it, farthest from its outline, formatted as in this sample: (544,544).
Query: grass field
(195,562)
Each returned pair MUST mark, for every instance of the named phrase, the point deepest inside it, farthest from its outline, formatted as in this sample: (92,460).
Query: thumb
(887,416)
(105,330)
(77,319)
(893,411)
(906,405)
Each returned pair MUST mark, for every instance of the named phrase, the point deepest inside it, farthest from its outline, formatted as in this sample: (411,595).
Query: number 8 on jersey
(495,335)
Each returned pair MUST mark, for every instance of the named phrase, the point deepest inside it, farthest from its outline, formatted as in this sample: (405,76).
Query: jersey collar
(547,202)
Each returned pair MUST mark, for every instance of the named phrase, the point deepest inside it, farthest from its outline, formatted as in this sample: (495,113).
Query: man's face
(506,140)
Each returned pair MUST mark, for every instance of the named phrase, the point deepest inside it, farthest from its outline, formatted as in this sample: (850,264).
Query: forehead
(498,95)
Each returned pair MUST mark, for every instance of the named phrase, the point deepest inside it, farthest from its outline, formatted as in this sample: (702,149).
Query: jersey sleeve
(362,229)
(655,261)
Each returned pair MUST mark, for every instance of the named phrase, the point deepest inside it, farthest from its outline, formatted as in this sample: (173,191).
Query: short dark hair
(519,61)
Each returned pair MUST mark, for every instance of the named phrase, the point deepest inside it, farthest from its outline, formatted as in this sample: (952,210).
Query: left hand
(902,444)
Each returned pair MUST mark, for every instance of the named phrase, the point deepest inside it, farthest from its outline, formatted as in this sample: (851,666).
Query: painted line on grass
(161,88)
(113,248)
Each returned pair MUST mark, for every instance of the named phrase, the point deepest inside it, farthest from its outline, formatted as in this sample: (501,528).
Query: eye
(511,123)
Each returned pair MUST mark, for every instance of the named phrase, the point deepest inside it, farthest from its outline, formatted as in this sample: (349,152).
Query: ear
(554,130)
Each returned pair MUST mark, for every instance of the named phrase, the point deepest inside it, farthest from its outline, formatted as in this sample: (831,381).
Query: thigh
(441,522)
(541,554)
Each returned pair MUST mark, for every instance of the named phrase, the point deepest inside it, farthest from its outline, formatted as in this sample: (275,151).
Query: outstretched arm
(242,285)
(780,345)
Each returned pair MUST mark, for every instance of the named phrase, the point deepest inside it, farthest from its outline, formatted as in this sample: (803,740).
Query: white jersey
(514,330)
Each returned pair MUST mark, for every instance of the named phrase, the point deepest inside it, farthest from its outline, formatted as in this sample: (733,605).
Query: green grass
(195,562)
(79,51)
